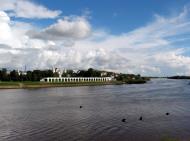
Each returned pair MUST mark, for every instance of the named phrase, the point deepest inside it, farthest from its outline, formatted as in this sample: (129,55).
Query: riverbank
(28,85)
(179,77)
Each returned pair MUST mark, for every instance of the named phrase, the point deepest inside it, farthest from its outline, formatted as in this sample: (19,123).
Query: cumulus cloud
(149,50)
(67,28)
(142,46)
(174,62)
(27,9)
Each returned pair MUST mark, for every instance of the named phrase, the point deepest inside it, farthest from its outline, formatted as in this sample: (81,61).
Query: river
(54,114)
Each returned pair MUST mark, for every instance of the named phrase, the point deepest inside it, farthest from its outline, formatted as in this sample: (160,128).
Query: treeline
(179,77)
(132,78)
(36,75)
(14,75)
(82,73)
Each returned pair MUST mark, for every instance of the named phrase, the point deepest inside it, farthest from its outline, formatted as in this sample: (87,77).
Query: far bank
(28,85)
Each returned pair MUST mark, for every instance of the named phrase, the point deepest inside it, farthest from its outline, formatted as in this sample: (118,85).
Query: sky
(147,37)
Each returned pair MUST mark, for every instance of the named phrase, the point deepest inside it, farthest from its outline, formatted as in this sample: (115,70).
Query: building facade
(75,79)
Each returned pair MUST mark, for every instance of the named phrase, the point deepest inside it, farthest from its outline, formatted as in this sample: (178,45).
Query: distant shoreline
(179,77)
(28,85)
(31,85)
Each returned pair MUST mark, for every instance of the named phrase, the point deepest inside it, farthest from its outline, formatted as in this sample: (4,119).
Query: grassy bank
(25,85)
(37,84)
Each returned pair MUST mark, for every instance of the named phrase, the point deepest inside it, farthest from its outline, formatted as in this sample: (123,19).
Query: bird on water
(123,120)
(140,118)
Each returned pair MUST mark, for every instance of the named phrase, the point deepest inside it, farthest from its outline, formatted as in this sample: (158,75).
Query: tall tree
(14,76)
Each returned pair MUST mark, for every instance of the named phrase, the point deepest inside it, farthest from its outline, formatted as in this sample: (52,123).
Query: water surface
(53,114)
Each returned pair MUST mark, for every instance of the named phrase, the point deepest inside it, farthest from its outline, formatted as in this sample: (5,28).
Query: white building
(76,79)
(21,72)
(57,70)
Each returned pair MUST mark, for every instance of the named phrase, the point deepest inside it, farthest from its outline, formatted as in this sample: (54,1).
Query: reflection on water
(54,113)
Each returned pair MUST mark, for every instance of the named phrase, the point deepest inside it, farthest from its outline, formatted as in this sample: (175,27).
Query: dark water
(53,114)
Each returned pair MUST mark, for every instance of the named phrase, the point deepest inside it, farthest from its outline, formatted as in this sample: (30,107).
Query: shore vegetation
(31,79)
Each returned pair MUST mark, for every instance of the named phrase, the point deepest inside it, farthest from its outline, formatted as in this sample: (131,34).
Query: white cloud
(175,61)
(148,50)
(7,4)
(27,9)
(67,28)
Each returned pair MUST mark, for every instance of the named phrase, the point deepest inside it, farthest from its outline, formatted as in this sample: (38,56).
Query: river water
(54,114)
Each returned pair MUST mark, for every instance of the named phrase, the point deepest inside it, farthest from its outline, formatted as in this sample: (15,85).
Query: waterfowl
(140,118)
(123,120)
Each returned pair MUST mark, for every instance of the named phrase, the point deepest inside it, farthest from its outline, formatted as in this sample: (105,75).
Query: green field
(37,84)
(19,85)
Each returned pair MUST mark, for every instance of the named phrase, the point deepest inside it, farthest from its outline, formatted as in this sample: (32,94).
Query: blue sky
(117,16)
(148,37)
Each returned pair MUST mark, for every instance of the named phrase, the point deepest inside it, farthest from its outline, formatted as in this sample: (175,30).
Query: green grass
(9,83)
(31,84)
(37,84)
